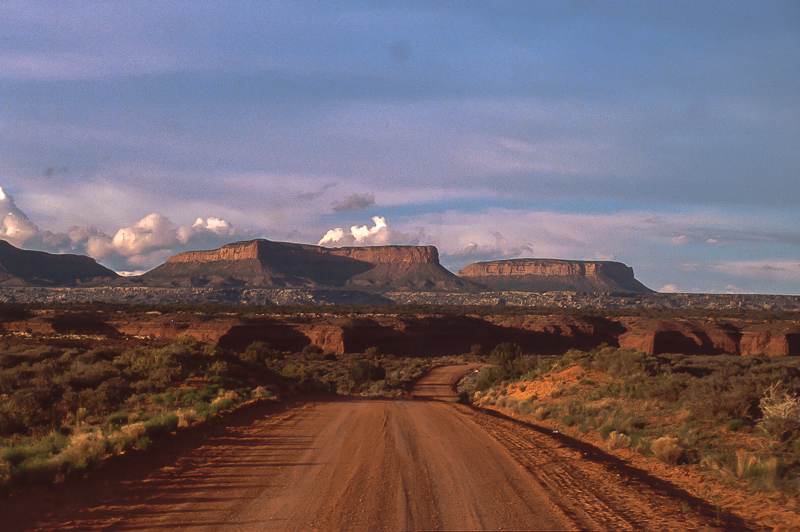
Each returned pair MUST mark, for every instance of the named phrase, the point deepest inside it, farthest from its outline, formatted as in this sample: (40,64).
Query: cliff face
(545,275)
(20,267)
(266,251)
(282,264)
(436,335)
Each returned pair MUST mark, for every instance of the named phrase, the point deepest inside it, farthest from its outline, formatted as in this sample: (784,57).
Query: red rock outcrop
(545,275)
(438,335)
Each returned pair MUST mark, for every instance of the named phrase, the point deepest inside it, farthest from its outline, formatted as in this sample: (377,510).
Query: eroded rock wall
(439,335)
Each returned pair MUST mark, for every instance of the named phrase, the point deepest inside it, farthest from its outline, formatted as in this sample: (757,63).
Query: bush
(780,412)
(161,425)
(504,356)
(364,371)
(569,420)
(258,352)
(618,440)
(667,449)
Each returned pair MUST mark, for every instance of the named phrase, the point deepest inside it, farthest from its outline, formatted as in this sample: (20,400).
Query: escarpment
(547,275)
(433,335)
(264,263)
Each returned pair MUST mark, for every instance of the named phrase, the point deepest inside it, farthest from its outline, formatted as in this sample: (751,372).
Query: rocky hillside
(549,275)
(20,267)
(262,263)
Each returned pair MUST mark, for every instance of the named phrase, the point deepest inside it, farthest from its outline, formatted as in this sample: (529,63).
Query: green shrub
(605,430)
(505,357)
(259,352)
(364,371)
(161,424)
(117,419)
(569,420)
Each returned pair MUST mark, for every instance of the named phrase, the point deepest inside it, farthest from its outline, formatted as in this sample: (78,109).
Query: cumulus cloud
(378,234)
(354,202)
(16,228)
(669,289)
(145,244)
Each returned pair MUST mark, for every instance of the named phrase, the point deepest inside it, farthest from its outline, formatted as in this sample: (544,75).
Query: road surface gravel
(381,464)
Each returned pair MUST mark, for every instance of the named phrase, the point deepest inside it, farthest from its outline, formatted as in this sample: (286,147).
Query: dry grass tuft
(667,449)
(618,440)
(780,412)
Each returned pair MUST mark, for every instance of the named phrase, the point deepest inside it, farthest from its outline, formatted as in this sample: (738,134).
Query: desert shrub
(476,350)
(161,424)
(569,420)
(117,419)
(258,352)
(605,431)
(760,471)
(667,449)
(84,374)
(261,393)
(217,368)
(618,440)
(29,410)
(504,356)
(780,412)
(364,370)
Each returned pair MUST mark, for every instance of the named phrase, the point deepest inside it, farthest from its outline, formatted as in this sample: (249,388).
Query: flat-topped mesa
(285,264)
(266,250)
(545,275)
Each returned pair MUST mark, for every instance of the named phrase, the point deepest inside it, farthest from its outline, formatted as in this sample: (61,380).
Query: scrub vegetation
(738,416)
(63,409)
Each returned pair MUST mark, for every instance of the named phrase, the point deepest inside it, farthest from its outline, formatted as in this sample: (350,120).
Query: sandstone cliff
(20,267)
(436,335)
(281,264)
(548,275)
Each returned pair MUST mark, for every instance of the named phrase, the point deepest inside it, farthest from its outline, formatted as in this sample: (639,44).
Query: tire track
(595,489)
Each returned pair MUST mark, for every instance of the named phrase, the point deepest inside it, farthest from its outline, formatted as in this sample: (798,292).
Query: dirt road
(373,464)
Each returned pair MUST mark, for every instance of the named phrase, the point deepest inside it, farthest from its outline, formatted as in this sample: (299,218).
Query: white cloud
(668,289)
(15,227)
(363,235)
(142,245)
(333,235)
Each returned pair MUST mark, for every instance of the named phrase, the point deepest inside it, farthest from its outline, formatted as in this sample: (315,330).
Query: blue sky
(665,135)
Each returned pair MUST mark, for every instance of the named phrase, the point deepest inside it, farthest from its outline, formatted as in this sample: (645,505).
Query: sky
(661,134)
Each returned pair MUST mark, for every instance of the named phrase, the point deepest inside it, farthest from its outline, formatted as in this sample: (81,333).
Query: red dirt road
(370,464)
